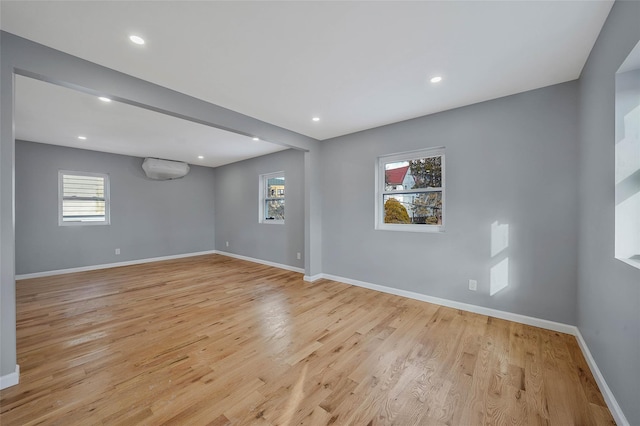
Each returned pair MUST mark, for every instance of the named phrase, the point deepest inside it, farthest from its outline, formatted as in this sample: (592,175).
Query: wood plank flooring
(212,340)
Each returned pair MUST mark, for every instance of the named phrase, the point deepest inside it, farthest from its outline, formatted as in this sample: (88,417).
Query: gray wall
(608,289)
(236,193)
(148,218)
(511,160)
(7,242)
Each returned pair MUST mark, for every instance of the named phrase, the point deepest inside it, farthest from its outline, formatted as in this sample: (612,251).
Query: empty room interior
(313,212)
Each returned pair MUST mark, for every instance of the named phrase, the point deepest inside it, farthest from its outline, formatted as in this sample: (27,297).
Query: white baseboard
(262,262)
(110,265)
(155,259)
(10,379)
(313,278)
(615,409)
(523,319)
(612,404)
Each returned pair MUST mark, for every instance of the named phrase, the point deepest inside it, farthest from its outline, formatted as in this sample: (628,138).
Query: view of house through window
(83,198)
(272,192)
(411,191)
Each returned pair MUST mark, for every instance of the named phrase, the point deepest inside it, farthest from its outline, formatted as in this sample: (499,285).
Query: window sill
(273,222)
(632,261)
(431,229)
(84,223)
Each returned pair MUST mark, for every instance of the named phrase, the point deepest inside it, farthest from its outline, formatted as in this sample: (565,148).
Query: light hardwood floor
(215,340)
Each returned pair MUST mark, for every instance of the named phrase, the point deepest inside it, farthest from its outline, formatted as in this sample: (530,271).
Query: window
(272,198)
(410,191)
(627,160)
(83,198)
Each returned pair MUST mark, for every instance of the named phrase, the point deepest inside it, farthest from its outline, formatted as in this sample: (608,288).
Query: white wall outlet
(117,251)
(298,255)
(473,285)
(227,243)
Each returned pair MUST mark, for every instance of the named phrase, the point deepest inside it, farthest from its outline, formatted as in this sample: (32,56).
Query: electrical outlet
(117,251)
(473,285)
(298,256)
(227,243)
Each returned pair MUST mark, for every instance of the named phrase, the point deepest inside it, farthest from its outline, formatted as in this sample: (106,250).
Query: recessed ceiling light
(200,157)
(82,138)
(316,118)
(256,139)
(104,99)
(436,79)
(136,39)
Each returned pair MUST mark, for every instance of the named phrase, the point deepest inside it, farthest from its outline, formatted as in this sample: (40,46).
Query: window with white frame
(410,191)
(627,160)
(83,198)
(272,190)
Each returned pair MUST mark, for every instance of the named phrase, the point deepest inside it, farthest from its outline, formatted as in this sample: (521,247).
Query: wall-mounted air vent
(164,169)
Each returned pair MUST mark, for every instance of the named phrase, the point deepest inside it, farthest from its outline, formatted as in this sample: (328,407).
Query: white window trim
(627,213)
(380,191)
(262,199)
(107,201)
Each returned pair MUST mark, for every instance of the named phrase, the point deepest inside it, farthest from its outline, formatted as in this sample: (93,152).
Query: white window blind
(83,198)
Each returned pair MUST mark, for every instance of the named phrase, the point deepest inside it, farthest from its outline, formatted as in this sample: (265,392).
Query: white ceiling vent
(164,169)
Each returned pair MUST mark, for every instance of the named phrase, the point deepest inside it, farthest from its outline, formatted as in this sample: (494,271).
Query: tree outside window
(411,191)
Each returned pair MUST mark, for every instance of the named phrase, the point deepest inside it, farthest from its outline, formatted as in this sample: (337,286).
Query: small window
(272,198)
(410,191)
(83,198)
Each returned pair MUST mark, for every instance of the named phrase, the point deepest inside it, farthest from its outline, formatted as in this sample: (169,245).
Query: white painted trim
(380,190)
(262,198)
(155,259)
(110,265)
(262,262)
(107,201)
(523,319)
(615,409)
(631,262)
(313,278)
(10,379)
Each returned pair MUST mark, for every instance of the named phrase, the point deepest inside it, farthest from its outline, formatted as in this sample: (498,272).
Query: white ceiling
(56,115)
(356,65)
